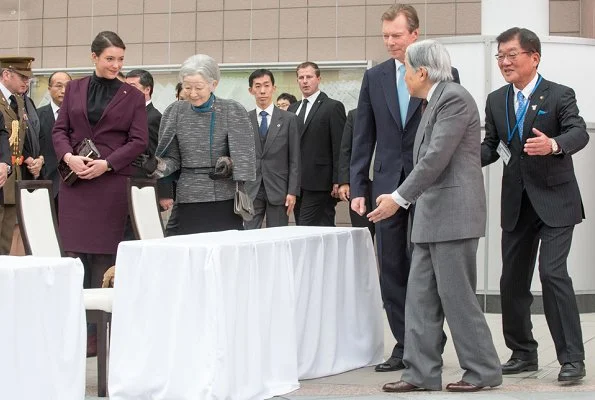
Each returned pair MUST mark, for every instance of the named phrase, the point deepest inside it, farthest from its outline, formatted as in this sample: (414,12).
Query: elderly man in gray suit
(446,185)
(277,144)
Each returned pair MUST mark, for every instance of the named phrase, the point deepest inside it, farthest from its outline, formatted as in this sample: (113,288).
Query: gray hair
(200,64)
(433,57)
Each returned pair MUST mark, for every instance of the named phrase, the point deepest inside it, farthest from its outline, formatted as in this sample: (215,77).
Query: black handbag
(86,148)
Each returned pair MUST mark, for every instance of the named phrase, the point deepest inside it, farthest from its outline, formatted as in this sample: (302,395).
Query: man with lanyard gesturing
(534,126)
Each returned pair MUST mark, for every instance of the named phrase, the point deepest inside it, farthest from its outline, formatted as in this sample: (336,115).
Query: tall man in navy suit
(323,121)
(47,117)
(387,120)
(534,126)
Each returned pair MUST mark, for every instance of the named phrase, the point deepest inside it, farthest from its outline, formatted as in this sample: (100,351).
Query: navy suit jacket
(378,125)
(49,170)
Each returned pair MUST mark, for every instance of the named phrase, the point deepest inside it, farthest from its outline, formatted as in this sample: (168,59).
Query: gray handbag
(242,204)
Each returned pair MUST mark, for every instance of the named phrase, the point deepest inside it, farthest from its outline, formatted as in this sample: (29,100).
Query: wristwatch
(555,147)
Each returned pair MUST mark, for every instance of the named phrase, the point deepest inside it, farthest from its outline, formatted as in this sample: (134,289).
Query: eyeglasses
(511,56)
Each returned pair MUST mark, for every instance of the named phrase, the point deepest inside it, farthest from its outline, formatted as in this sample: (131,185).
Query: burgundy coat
(92,213)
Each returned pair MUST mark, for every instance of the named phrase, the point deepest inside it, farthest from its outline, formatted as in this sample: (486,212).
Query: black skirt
(211,216)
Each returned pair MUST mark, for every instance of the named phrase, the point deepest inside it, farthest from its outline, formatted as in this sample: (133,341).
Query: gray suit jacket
(278,162)
(446,182)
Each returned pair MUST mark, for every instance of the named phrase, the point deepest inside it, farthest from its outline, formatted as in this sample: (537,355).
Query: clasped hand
(87,168)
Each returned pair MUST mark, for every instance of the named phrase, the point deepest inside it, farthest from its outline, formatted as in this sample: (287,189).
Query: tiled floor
(366,384)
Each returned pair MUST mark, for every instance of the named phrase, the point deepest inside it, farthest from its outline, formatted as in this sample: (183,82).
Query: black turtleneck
(101,91)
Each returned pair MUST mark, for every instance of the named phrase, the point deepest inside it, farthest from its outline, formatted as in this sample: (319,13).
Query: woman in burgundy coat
(112,114)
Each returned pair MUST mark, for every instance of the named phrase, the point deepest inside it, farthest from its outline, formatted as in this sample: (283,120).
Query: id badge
(504,152)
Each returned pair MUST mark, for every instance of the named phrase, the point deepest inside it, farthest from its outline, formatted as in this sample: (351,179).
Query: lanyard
(520,118)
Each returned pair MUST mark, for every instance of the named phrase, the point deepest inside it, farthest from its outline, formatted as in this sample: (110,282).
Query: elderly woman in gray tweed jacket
(192,136)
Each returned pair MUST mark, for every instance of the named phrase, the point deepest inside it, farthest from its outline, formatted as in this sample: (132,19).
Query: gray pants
(442,285)
(276,214)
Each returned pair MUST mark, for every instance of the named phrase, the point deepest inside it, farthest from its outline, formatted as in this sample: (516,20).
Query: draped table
(242,314)
(43,335)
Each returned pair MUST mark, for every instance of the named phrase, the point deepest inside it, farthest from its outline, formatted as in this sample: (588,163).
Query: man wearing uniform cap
(22,123)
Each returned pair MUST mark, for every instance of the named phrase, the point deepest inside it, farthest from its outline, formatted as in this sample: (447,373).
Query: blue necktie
(263,124)
(520,113)
(403,94)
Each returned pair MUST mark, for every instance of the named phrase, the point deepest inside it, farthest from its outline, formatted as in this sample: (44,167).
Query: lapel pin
(124,92)
(278,125)
(534,107)
(540,97)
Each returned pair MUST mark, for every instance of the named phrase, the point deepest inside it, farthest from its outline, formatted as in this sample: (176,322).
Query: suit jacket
(28,139)
(549,181)
(446,182)
(49,170)
(278,162)
(153,119)
(345,152)
(378,125)
(5,154)
(321,142)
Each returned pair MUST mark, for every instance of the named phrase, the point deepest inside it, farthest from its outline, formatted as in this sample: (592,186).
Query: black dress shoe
(572,371)
(392,364)
(516,366)
(400,387)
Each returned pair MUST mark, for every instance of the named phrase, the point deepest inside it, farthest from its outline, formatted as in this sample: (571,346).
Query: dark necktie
(13,104)
(302,114)
(424,104)
(263,124)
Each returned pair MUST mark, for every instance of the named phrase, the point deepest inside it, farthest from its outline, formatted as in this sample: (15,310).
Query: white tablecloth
(43,333)
(242,314)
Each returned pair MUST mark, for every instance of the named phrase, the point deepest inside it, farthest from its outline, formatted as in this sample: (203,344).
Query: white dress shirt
(55,109)
(527,90)
(311,101)
(269,111)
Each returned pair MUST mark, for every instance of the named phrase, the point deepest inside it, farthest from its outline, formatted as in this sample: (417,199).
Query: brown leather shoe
(462,386)
(400,387)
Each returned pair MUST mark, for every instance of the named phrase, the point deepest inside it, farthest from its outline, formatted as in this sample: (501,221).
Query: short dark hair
(409,12)
(307,64)
(528,40)
(259,73)
(145,78)
(57,72)
(106,39)
(287,96)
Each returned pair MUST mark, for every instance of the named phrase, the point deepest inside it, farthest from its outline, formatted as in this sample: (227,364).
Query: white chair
(143,206)
(38,222)
(37,219)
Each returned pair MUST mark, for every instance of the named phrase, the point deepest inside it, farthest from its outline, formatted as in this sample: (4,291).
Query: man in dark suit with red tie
(323,121)
(47,117)
(534,126)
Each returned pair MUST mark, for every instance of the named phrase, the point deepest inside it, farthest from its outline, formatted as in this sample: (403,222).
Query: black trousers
(519,253)
(315,208)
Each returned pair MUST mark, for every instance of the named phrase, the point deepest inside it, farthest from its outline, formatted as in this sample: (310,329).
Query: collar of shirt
(526,90)
(398,65)
(5,92)
(431,91)
(148,102)
(269,111)
(311,101)
(54,106)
